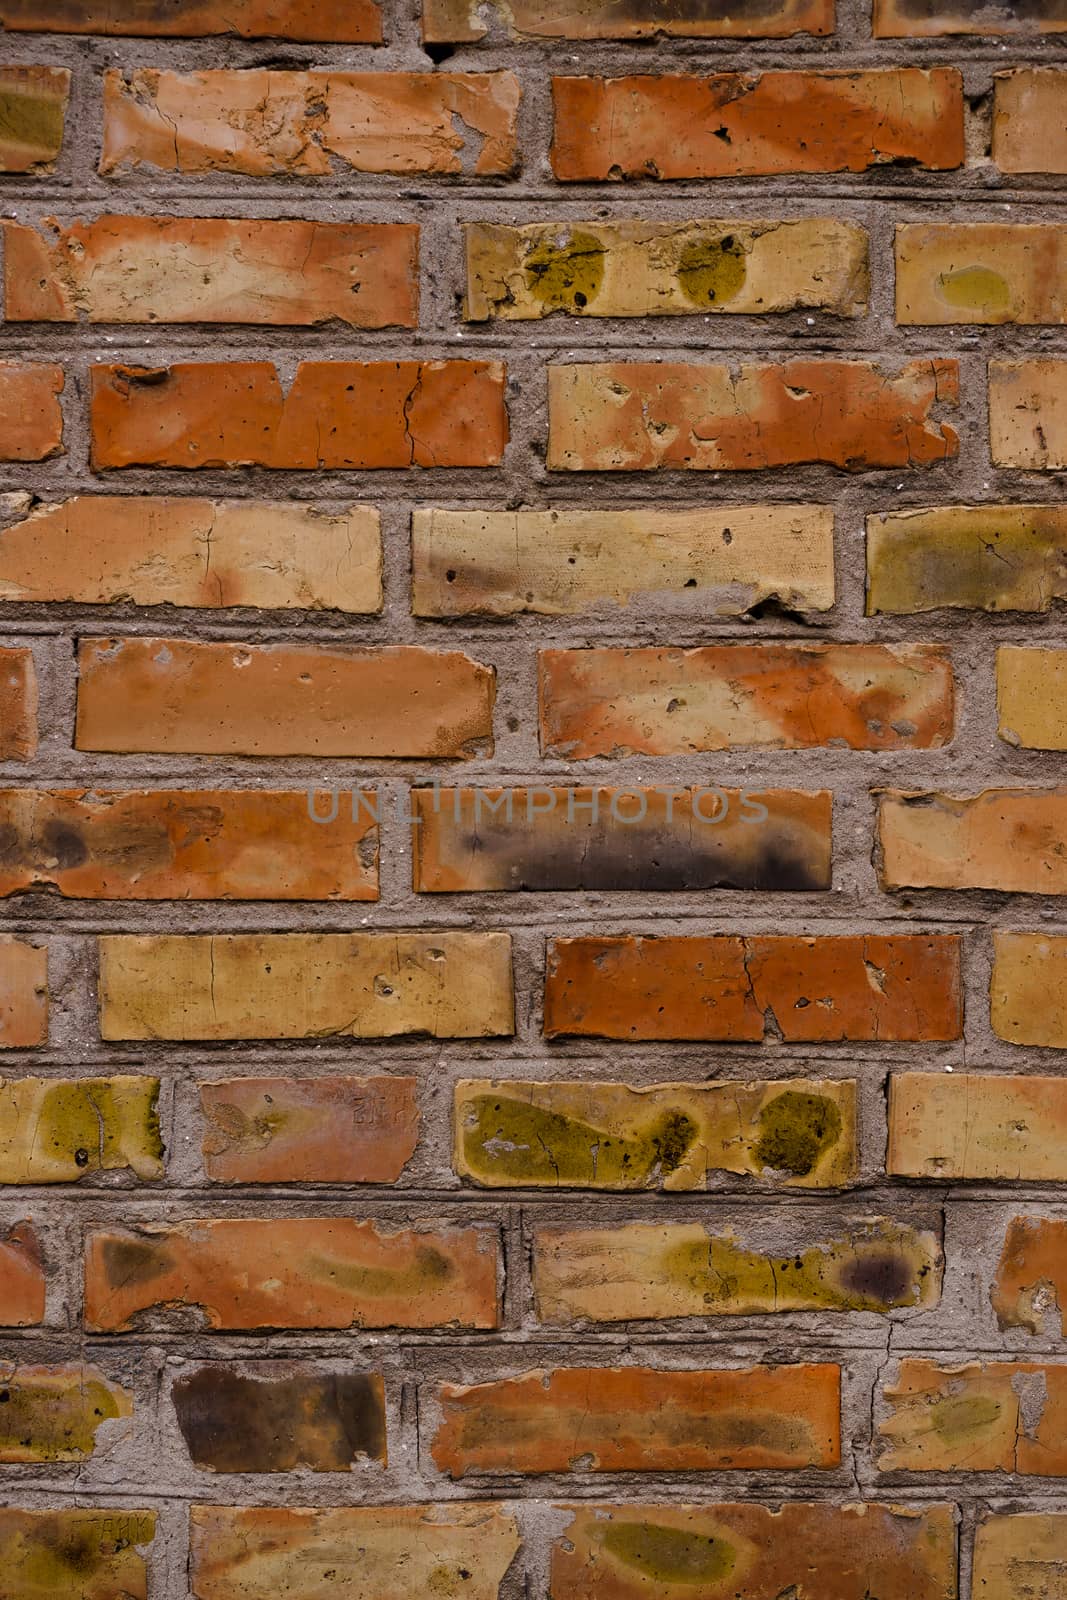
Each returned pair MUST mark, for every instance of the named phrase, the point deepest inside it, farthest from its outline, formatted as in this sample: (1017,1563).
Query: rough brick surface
(33,110)
(18,705)
(23,1287)
(341,21)
(1028,413)
(1030,120)
(983,272)
(31,422)
(23,992)
(982,558)
(309,1130)
(974,1125)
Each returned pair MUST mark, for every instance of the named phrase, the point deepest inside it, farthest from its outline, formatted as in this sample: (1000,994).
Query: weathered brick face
(533,824)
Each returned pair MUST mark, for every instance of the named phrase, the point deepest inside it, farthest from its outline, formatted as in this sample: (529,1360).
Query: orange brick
(319,21)
(263,122)
(636,416)
(1028,1548)
(23,993)
(158,550)
(654,701)
(912,19)
(22,1280)
(994,1416)
(636,1419)
(627,1552)
(1030,120)
(18,702)
(306,1272)
(1031,1280)
(1028,989)
(1028,413)
(309,1130)
(878,987)
(176,695)
(981,272)
(31,421)
(259,1553)
(33,109)
(732,124)
(582,838)
(1005,839)
(460,21)
(964,1125)
(185,844)
(335,414)
(213,269)
(86,1553)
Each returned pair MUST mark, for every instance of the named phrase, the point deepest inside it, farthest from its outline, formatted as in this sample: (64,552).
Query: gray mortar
(146,1464)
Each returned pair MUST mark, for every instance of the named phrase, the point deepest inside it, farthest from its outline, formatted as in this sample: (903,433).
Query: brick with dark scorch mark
(620,839)
(309,1130)
(636,1419)
(318,21)
(754,1552)
(874,987)
(279,1417)
(79,1553)
(306,1272)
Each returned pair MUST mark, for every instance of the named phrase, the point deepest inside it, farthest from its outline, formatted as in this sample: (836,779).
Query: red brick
(1031,1279)
(655,701)
(262,123)
(636,1419)
(306,1272)
(18,704)
(178,695)
(636,416)
(185,844)
(335,414)
(459,21)
(31,421)
(213,269)
(733,124)
(22,1279)
(318,21)
(23,993)
(878,987)
(309,1130)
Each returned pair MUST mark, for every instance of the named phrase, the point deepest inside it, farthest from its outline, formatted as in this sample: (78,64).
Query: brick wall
(612,1145)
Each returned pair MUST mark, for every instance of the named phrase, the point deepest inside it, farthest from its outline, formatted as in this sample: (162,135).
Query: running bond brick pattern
(533,818)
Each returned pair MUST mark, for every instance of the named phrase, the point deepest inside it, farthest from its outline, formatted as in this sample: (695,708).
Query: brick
(514,1133)
(637,416)
(309,1130)
(461,21)
(58,1130)
(981,272)
(334,414)
(1029,709)
(22,1280)
(18,703)
(158,550)
(734,124)
(1028,413)
(1024,1554)
(672,563)
(258,1553)
(53,1413)
(82,1553)
(618,839)
(1030,120)
(318,21)
(624,1552)
(213,269)
(33,110)
(280,1417)
(173,696)
(640,269)
(293,1272)
(452,985)
(637,1419)
(1004,839)
(31,421)
(860,987)
(1031,1279)
(1028,990)
(904,19)
(684,1269)
(657,701)
(184,844)
(993,1416)
(974,1126)
(262,122)
(980,558)
(23,993)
